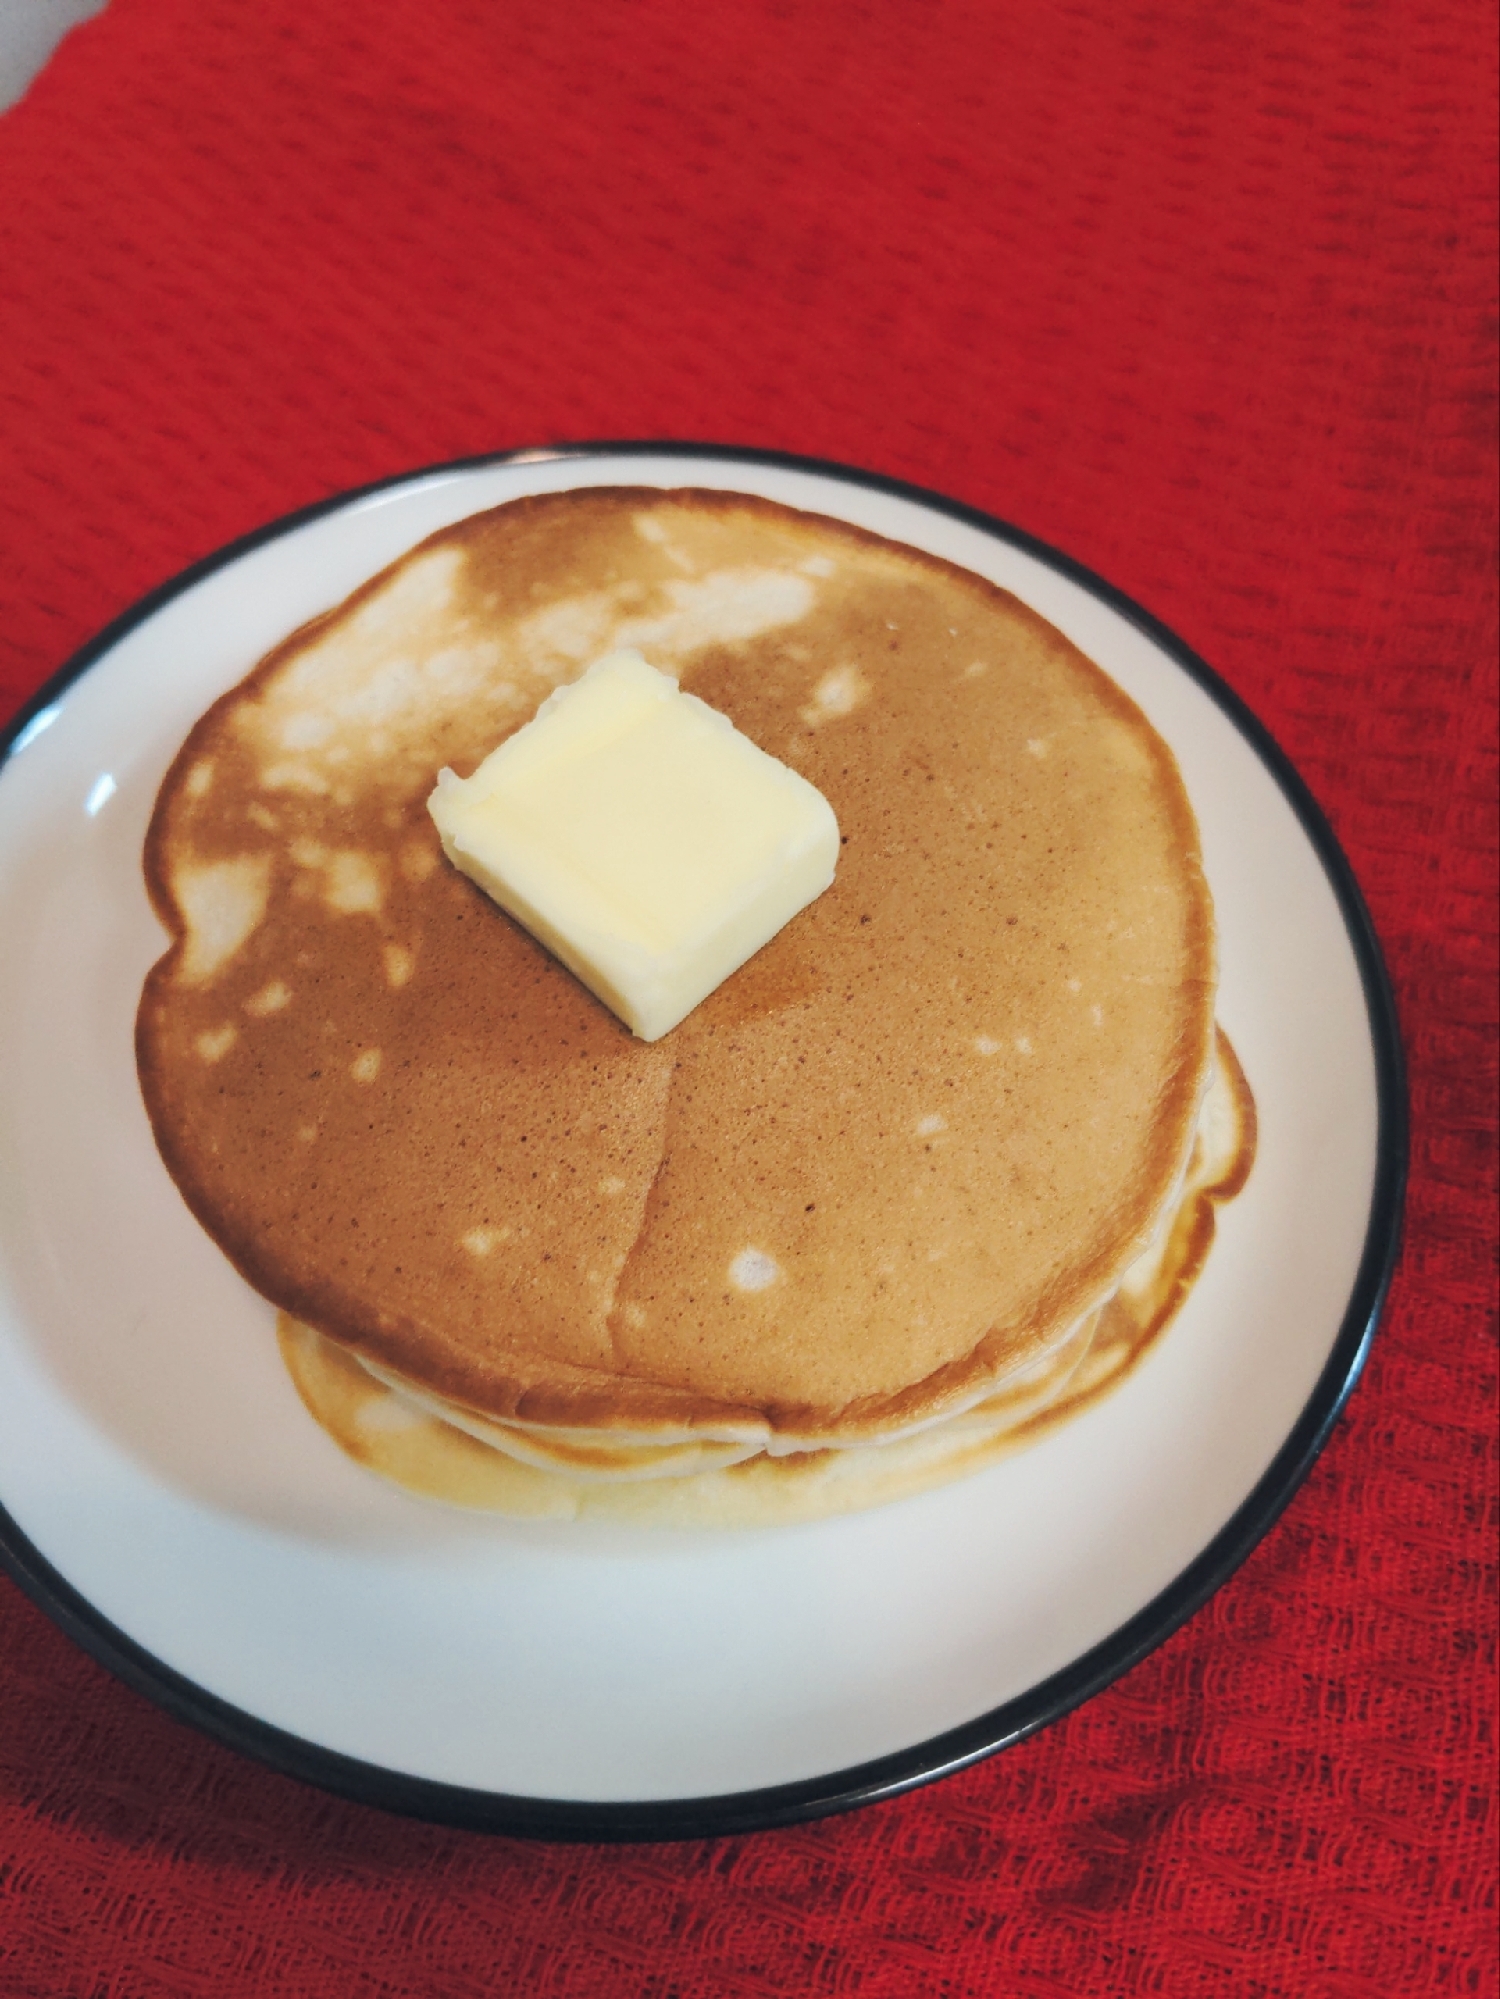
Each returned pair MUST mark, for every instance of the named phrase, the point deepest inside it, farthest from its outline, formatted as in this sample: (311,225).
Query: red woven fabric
(1203,295)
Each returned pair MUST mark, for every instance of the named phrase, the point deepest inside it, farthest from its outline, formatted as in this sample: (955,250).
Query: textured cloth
(1203,295)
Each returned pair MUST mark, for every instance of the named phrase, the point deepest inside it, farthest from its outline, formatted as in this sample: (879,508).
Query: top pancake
(890,1159)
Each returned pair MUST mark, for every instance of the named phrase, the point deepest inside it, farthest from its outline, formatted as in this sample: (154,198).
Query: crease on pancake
(643,1228)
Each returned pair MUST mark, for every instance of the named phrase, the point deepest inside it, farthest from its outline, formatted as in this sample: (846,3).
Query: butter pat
(639,836)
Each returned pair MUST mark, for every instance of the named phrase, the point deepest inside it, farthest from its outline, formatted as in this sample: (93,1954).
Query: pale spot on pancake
(1075,985)
(307,729)
(572,628)
(270,999)
(1038,745)
(397,617)
(649,528)
(366,1066)
(399,963)
(308,853)
(353,886)
(214,1043)
(222,902)
(307,1133)
(817,565)
(1023,1044)
(378,701)
(378,671)
(753,1270)
(483,1241)
(418,859)
(634,1315)
(612,1184)
(1129,749)
(200,779)
(929,1127)
(1096,1014)
(985,1046)
(975,667)
(259,815)
(725,607)
(837,693)
(294,777)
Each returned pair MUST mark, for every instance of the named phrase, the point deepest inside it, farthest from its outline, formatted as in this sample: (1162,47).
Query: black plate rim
(954,1749)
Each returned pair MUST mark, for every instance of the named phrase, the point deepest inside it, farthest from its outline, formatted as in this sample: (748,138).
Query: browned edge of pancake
(1126,1330)
(566,1393)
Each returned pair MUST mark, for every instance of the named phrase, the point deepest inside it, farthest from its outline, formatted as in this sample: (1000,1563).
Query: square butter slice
(638,835)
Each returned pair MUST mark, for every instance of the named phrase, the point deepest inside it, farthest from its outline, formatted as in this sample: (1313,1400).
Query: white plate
(172,1505)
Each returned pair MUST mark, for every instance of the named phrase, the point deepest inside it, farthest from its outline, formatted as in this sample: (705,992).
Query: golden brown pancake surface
(535,1471)
(893,1158)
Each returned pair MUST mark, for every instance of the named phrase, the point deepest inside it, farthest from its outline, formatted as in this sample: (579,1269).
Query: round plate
(168,1501)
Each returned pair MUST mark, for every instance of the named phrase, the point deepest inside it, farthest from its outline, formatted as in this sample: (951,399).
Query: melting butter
(639,836)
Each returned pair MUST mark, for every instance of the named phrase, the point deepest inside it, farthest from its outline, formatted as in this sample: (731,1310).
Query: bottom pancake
(535,1471)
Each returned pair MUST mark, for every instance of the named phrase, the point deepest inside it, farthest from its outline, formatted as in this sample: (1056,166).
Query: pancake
(891,1164)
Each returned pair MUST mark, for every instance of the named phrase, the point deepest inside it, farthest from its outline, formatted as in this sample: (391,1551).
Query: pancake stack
(892,1171)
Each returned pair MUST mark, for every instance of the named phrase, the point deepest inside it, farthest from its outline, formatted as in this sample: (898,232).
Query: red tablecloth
(1204,296)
